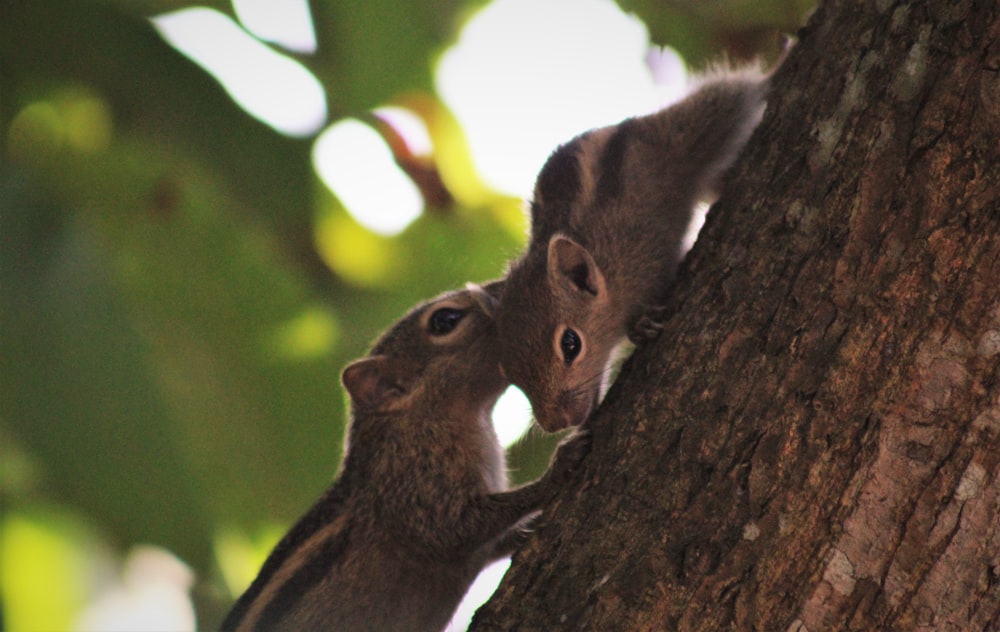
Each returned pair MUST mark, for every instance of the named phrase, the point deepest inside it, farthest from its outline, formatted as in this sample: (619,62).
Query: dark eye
(444,320)
(570,345)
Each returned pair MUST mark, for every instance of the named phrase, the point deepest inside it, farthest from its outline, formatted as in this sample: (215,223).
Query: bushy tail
(701,136)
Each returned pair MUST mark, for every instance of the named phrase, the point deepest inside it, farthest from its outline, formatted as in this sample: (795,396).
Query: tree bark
(814,441)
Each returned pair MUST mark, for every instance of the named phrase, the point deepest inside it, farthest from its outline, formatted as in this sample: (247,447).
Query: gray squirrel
(608,215)
(420,504)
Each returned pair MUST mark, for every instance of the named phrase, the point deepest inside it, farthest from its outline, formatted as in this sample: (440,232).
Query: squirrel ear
(486,301)
(571,266)
(369,383)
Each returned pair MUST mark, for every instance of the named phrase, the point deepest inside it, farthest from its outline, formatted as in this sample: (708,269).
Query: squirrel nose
(554,421)
(569,411)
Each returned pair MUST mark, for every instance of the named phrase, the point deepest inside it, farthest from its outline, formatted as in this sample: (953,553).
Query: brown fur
(609,214)
(420,504)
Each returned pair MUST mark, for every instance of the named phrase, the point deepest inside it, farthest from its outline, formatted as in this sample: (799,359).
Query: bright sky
(354,161)
(274,88)
(527,75)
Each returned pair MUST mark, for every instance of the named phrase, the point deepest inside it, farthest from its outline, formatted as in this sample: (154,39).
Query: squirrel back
(608,217)
(420,503)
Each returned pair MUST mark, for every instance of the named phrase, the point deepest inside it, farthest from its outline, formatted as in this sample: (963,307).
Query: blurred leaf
(48,558)
(69,390)
(155,92)
(150,8)
(201,294)
(368,52)
(700,30)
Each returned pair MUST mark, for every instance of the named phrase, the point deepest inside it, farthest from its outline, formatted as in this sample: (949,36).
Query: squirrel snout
(570,410)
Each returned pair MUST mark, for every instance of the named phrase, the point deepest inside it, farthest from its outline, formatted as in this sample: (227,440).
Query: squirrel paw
(649,326)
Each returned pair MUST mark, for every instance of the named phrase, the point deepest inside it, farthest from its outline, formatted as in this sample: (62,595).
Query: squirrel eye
(570,345)
(444,320)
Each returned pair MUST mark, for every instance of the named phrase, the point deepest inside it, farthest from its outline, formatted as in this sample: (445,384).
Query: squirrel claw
(649,326)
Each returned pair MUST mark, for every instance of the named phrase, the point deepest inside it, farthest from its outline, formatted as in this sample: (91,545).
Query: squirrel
(420,504)
(608,215)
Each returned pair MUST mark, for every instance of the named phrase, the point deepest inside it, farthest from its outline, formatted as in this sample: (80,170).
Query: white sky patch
(272,87)
(481,590)
(354,161)
(151,594)
(527,75)
(512,416)
(698,218)
(287,23)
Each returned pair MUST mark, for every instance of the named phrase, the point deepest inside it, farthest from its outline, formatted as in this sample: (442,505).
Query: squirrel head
(442,354)
(565,326)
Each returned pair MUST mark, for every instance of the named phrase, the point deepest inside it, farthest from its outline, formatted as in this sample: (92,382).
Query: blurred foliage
(176,295)
(743,29)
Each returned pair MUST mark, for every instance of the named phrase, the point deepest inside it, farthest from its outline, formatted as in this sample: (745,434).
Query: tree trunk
(814,441)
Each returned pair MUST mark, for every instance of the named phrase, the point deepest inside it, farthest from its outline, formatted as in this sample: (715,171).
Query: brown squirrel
(608,215)
(419,506)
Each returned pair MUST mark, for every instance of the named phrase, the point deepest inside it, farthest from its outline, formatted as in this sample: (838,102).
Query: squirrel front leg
(489,516)
(566,461)
(513,539)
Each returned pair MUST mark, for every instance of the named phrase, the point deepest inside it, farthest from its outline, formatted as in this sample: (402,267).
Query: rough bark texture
(814,442)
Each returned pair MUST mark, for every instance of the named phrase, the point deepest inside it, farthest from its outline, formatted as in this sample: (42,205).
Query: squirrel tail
(707,130)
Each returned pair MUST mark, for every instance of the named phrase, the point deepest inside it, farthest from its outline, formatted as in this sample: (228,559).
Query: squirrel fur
(608,217)
(420,504)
